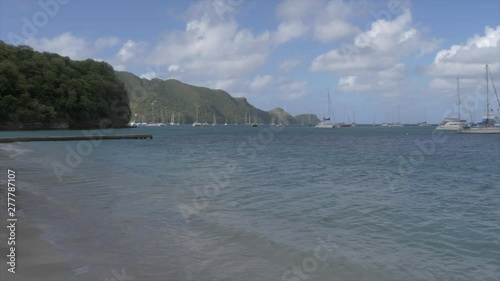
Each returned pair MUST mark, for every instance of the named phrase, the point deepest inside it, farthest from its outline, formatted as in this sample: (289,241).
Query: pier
(75,138)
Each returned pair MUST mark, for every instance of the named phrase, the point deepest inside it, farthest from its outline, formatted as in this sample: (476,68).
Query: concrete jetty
(75,138)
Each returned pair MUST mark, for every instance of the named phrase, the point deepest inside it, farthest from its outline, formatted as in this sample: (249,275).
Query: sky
(394,60)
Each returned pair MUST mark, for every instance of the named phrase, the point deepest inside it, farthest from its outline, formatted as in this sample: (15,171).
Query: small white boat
(423,124)
(451,124)
(155,124)
(397,124)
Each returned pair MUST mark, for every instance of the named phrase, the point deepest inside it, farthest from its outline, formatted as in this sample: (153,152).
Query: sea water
(266,203)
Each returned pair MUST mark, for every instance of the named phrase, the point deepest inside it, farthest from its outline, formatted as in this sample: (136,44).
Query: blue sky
(374,56)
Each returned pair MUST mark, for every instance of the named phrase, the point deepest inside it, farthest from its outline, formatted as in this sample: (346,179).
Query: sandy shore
(35,258)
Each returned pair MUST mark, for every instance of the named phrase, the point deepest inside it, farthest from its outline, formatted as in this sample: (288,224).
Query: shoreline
(36,259)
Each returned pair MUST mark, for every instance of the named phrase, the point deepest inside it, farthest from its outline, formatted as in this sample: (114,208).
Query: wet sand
(36,259)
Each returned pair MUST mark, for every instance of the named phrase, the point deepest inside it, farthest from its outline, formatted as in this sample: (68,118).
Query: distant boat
(172,119)
(349,124)
(453,124)
(326,123)
(254,124)
(353,117)
(196,123)
(488,124)
(215,122)
(155,125)
(225,124)
(396,124)
(424,124)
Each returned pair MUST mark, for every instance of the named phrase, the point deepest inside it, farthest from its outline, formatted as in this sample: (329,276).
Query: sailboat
(225,124)
(254,124)
(205,123)
(197,122)
(326,121)
(397,124)
(424,124)
(344,125)
(172,119)
(353,117)
(488,126)
(178,119)
(215,122)
(452,123)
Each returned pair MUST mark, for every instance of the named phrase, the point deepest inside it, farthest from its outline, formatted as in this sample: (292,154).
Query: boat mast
(329,105)
(487,99)
(399,114)
(459,101)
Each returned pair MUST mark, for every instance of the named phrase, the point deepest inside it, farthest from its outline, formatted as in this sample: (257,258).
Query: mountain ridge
(173,97)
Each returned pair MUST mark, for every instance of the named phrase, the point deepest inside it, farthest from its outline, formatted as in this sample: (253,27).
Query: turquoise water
(242,203)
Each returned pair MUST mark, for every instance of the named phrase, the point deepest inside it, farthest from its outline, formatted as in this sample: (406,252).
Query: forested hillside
(172,96)
(45,90)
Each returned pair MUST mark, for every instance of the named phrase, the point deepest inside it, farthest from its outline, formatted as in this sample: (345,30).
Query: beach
(36,259)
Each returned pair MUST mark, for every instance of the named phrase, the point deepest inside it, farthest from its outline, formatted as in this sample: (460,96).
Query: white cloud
(67,44)
(327,19)
(174,67)
(106,42)
(149,75)
(290,30)
(212,47)
(261,81)
(334,30)
(294,90)
(289,64)
(373,61)
(466,60)
(131,52)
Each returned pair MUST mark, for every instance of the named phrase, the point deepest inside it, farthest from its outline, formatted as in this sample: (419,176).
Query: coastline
(35,258)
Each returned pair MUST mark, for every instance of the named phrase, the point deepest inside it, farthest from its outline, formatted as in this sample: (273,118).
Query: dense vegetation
(45,90)
(172,96)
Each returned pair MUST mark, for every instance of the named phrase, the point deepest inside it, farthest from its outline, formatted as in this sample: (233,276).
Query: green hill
(172,96)
(45,90)
(307,119)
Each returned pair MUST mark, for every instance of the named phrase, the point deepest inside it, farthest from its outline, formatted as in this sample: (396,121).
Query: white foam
(18,151)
